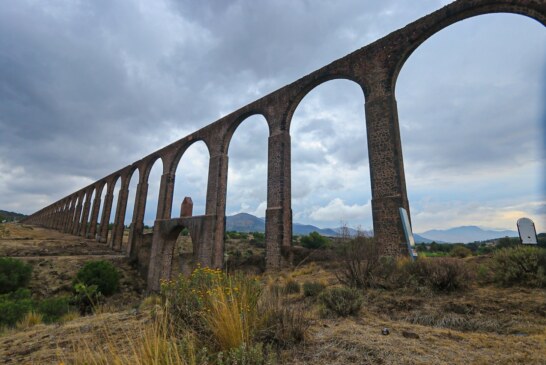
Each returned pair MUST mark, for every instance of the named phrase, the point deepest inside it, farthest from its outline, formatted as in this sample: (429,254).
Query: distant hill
(465,234)
(244,222)
(11,216)
(421,239)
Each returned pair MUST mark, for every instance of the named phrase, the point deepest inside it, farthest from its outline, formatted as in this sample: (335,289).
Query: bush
(312,289)
(520,265)
(14,274)
(362,266)
(313,241)
(439,274)
(100,273)
(53,309)
(460,251)
(342,301)
(14,307)
(292,287)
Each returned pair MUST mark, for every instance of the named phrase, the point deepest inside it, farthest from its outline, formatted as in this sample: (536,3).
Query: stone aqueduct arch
(374,67)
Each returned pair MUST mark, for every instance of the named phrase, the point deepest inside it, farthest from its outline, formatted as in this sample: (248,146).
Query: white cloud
(337,210)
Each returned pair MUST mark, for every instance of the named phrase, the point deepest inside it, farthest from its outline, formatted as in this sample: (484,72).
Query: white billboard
(527,231)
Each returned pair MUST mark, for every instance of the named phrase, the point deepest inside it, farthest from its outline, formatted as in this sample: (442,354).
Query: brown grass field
(480,325)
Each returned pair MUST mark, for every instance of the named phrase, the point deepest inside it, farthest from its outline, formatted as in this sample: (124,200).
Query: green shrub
(53,309)
(312,289)
(443,274)
(258,239)
(14,274)
(342,301)
(292,287)
(100,273)
(460,251)
(14,306)
(520,265)
(313,241)
(86,298)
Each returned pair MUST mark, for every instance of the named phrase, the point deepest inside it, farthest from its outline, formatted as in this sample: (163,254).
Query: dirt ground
(483,325)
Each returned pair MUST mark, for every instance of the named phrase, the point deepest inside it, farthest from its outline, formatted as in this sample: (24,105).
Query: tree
(314,240)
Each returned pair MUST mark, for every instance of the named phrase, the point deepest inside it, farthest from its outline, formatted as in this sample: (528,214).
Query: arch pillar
(77,215)
(59,217)
(105,219)
(165,198)
(119,222)
(68,216)
(95,213)
(278,215)
(85,214)
(216,206)
(386,169)
(137,223)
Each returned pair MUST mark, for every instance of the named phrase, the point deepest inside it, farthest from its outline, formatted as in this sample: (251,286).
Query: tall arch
(330,169)
(190,177)
(459,11)
(473,114)
(246,190)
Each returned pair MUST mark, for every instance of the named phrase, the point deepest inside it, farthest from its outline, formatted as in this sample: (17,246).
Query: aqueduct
(374,67)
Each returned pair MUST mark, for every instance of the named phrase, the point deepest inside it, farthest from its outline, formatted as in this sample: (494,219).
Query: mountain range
(244,222)
(11,216)
(465,234)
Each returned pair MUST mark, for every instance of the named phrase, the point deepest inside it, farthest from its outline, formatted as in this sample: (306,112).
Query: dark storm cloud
(87,88)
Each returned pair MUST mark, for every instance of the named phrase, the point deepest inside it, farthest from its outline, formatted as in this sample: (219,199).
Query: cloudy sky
(87,87)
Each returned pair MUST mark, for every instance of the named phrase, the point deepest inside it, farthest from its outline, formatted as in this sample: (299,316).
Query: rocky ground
(483,325)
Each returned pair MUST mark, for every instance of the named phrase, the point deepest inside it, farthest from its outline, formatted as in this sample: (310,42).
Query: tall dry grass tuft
(153,343)
(219,309)
(29,320)
(231,316)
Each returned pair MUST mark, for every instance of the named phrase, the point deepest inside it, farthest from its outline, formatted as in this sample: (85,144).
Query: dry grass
(29,320)
(232,314)
(482,325)
(155,344)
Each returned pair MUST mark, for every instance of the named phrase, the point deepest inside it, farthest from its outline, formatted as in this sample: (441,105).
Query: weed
(292,287)
(312,288)
(283,325)
(29,320)
(247,355)
(342,301)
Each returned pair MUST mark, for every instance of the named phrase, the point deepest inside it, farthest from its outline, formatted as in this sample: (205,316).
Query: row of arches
(372,68)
